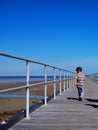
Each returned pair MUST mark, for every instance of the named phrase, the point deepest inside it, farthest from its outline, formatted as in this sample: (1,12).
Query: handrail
(70,77)
(29,60)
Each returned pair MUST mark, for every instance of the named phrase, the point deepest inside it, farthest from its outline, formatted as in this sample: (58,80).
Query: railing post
(45,91)
(64,81)
(60,82)
(54,84)
(72,79)
(27,89)
(67,80)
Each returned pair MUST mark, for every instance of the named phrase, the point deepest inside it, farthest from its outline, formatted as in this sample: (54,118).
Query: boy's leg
(80,93)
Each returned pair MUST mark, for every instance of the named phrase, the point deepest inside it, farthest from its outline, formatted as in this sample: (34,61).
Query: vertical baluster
(60,82)
(45,87)
(54,84)
(27,89)
(64,81)
(67,80)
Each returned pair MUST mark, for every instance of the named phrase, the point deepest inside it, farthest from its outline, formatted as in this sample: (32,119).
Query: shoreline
(11,106)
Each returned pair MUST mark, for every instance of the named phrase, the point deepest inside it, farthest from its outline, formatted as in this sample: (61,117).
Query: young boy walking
(80,82)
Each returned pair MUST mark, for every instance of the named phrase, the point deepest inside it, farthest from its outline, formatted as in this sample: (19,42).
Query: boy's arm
(75,81)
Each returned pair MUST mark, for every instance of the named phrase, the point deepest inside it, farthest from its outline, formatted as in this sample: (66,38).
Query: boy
(80,82)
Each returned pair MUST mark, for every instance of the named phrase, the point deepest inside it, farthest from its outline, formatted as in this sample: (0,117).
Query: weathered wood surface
(65,112)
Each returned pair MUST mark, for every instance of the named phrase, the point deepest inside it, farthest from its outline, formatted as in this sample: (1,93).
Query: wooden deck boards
(65,112)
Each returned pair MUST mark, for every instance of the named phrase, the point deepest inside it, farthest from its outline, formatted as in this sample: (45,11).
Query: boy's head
(79,69)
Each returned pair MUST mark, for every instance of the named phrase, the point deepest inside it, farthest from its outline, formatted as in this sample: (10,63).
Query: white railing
(68,77)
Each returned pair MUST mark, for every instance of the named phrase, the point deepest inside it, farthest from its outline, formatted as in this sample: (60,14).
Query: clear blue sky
(57,32)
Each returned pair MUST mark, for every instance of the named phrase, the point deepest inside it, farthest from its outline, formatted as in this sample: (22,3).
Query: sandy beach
(11,106)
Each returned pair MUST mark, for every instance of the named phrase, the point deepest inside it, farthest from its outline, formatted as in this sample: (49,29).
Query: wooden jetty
(65,112)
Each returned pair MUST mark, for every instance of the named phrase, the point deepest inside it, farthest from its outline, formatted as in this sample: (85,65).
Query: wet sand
(10,106)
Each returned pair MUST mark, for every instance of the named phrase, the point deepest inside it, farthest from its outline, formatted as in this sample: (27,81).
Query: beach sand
(11,106)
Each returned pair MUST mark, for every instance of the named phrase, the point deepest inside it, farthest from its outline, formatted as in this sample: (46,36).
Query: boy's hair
(79,69)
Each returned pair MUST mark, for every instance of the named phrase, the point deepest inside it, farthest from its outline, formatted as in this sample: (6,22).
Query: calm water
(21,96)
(15,79)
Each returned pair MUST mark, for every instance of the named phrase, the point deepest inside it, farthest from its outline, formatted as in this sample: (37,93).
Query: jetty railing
(93,77)
(68,77)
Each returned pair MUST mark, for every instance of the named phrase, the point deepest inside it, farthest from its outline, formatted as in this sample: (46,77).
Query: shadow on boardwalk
(72,98)
(92,101)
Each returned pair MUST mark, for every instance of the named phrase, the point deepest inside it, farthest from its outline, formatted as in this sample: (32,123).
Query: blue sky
(63,33)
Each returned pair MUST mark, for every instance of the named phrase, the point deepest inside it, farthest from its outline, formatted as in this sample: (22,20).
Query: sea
(22,79)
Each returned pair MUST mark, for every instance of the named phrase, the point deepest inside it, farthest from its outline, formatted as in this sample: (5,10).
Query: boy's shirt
(80,79)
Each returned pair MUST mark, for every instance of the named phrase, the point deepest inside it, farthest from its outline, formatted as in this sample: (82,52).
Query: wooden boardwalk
(65,112)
